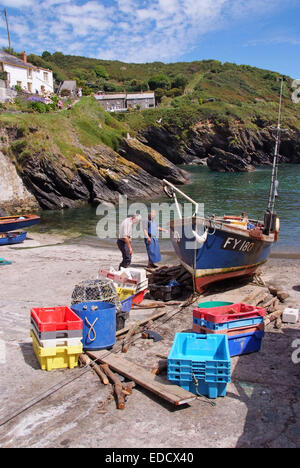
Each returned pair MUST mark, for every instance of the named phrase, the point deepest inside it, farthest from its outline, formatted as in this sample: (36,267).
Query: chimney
(23,56)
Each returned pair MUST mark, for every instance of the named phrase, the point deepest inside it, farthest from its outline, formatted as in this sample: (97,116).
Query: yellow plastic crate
(59,357)
(124,293)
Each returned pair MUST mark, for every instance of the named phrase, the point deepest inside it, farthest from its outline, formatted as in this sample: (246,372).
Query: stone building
(123,101)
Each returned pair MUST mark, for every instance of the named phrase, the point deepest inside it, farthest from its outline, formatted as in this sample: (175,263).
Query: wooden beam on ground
(142,322)
(171,393)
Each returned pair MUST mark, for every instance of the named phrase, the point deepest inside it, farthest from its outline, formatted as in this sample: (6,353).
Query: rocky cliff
(223,147)
(93,174)
(13,193)
(64,160)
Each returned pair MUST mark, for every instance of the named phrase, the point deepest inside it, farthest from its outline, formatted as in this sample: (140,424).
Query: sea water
(221,193)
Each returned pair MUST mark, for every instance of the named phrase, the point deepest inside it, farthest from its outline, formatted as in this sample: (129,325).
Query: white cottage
(19,72)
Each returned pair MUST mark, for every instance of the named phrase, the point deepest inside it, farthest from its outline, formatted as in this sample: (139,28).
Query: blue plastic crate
(245,344)
(228,325)
(127,303)
(209,389)
(193,348)
(205,358)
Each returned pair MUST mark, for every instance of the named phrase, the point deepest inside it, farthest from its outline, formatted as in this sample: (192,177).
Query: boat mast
(274,182)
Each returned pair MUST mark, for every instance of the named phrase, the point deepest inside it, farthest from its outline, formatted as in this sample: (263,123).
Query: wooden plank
(142,322)
(172,393)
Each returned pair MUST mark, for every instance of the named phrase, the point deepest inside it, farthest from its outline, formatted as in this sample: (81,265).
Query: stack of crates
(200,364)
(242,323)
(56,334)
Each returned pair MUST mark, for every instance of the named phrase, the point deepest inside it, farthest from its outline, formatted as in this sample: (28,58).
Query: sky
(262,33)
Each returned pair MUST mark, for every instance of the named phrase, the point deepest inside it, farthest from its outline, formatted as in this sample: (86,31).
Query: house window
(29,73)
(29,87)
(42,89)
(46,76)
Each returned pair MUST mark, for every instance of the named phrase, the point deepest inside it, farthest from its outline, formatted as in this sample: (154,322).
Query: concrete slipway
(261,408)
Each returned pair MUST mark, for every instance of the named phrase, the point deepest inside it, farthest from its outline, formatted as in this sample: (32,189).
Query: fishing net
(96,290)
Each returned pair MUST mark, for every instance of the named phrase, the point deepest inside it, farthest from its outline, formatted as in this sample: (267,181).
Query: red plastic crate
(116,278)
(56,318)
(139,297)
(228,313)
(234,331)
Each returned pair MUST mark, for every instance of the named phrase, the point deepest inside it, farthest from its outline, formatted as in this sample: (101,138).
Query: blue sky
(263,33)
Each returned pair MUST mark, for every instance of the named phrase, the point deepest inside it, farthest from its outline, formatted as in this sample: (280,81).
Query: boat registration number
(238,244)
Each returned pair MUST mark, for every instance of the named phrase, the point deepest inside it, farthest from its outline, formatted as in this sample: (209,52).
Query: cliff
(224,147)
(75,157)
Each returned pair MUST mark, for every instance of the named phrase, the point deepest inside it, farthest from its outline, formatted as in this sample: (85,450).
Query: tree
(101,72)
(180,81)
(159,81)
(46,54)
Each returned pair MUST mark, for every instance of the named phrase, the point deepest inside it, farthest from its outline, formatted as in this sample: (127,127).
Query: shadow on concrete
(268,383)
(29,356)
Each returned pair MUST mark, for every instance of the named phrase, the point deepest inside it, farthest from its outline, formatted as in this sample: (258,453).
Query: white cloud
(17,3)
(129,30)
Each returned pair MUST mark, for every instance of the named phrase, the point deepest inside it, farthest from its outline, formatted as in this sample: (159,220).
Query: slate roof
(12,60)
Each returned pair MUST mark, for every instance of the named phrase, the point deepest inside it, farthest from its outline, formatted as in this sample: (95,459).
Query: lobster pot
(99,324)
(100,290)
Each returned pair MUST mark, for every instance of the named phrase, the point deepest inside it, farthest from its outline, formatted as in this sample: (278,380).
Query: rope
(92,329)
(196,382)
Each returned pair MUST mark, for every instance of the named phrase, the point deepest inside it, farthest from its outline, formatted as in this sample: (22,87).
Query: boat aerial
(216,248)
(8,238)
(12,223)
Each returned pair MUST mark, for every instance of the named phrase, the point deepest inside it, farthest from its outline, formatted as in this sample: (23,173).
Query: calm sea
(221,194)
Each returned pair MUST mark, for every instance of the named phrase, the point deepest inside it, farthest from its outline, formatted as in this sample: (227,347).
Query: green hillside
(186,92)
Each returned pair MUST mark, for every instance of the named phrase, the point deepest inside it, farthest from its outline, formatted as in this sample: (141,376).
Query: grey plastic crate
(52,335)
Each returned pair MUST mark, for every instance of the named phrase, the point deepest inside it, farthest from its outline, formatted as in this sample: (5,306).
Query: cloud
(277,40)
(127,30)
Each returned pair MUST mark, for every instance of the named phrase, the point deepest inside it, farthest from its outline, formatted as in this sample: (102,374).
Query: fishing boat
(12,223)
(8,238)
(216,248)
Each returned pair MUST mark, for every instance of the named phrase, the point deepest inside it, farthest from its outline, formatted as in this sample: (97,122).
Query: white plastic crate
(53,343)
(138,274)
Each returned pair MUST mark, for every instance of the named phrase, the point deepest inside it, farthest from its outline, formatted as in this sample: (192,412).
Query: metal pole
(8,34)
(275,159)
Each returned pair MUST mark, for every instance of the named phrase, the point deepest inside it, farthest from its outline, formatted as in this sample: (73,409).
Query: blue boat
(12,223)
(216,248)
(9,238)
(212,249)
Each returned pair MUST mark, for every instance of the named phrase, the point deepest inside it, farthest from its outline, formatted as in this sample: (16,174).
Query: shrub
(159,82)
(38,107)
(101,72)
(65,93)
(180,81)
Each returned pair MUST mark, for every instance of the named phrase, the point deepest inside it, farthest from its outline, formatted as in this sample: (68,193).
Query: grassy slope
(244,96)
(63,132)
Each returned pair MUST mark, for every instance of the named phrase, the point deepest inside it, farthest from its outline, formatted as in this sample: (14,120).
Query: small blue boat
(12,223)
(9,238)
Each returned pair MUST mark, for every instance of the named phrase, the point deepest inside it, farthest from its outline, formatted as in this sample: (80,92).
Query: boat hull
(227,252)
(16,239)
(13,223)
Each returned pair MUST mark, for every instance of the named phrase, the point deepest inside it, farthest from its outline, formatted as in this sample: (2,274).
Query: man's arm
(147,236)
(127,241)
